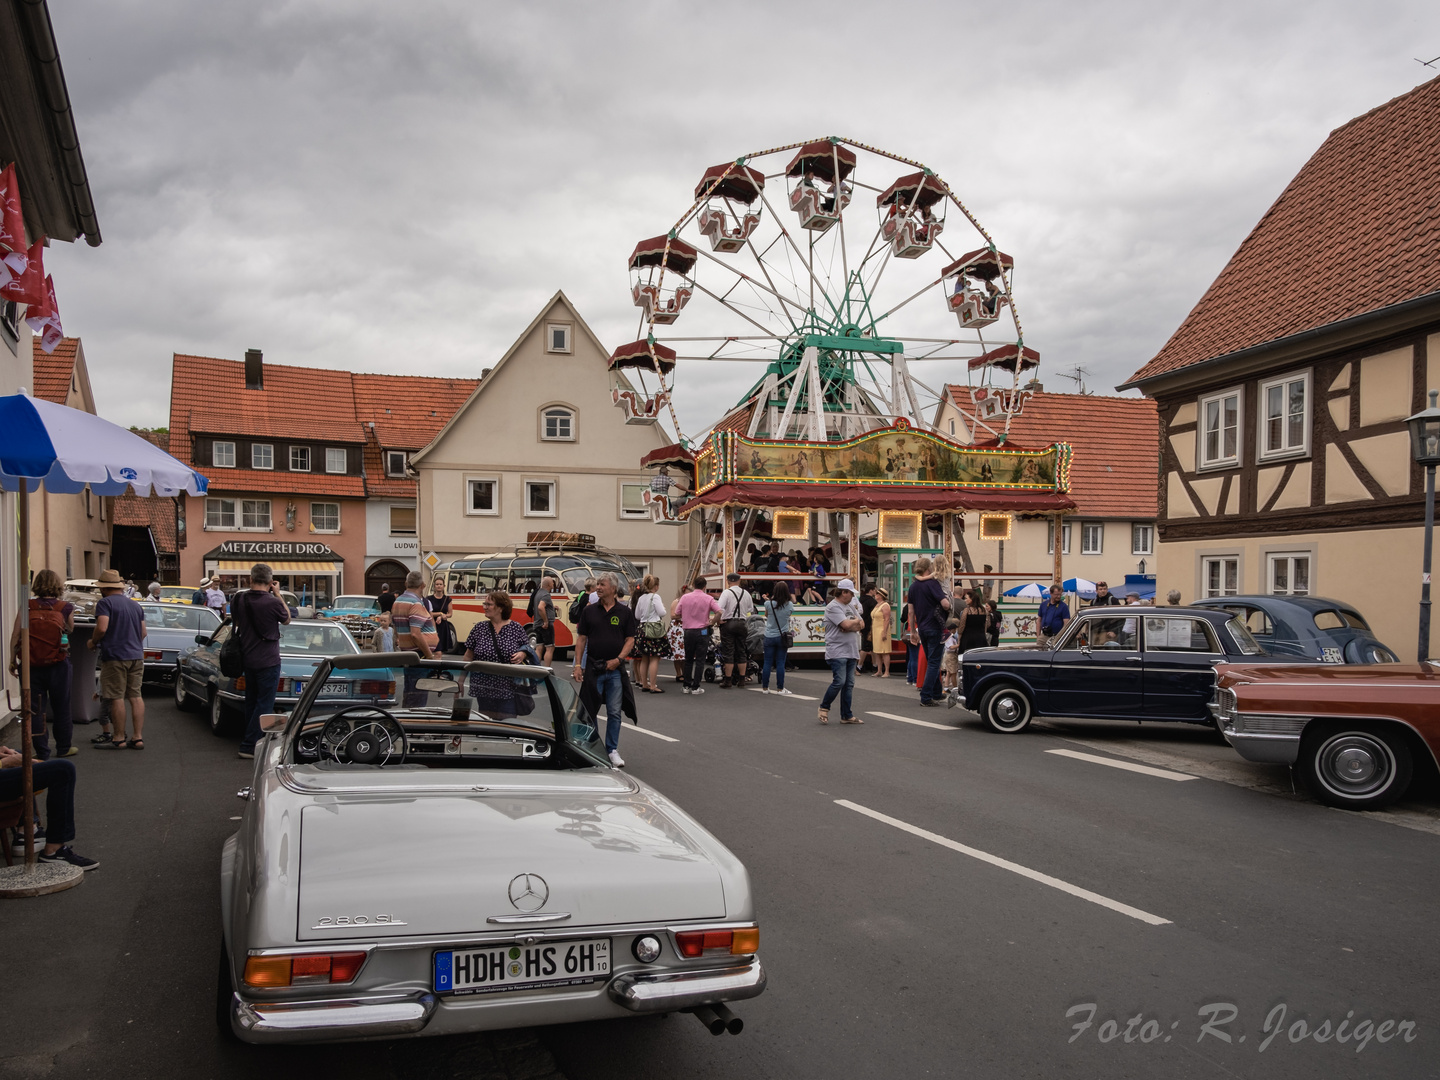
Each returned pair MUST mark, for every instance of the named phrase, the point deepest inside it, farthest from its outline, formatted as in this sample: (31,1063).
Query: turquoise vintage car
(303,645)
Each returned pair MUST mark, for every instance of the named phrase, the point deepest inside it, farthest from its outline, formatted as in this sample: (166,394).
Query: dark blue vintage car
(1112,663)
(1308,626)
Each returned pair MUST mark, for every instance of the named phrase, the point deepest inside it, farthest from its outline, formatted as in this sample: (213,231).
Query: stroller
(754,650)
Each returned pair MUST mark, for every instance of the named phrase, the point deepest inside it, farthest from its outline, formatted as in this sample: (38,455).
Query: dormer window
(222,455)
(394,462)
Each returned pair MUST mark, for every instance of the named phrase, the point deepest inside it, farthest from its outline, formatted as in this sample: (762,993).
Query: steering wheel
(371,742)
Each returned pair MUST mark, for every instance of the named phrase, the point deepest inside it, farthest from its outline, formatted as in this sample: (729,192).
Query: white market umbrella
(1033,590)
(1080,587)
(63,450)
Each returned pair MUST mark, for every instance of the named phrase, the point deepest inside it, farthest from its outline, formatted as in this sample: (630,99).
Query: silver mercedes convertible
(460,855)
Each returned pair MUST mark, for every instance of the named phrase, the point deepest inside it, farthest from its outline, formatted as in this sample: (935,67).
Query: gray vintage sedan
(421,867)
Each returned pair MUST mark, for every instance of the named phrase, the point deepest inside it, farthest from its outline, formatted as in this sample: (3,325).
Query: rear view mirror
(202,639)
(273,721)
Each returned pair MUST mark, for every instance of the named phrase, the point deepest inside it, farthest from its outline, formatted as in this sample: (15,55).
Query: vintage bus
(569,558)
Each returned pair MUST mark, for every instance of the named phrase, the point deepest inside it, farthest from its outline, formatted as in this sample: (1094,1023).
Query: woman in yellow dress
(881,626)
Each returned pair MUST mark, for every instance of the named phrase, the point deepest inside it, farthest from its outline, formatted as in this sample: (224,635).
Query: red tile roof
(208,395)
(1356,230)
(1116,467)
(53,372)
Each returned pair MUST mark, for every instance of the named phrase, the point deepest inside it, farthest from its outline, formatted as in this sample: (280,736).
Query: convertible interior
(446,714)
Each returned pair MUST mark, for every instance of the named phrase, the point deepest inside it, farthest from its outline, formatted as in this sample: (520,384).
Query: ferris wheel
(855,276)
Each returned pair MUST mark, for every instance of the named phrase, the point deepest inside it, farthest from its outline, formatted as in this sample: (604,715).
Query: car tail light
(268,971)
(378,687)
(240,682)
(154,654)
(693,943)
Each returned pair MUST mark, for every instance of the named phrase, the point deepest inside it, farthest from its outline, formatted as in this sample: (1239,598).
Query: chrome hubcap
(1355,764)
(1006,710)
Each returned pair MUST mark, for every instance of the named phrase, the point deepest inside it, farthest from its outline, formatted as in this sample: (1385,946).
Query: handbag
(524,696)
(232,654)
(787,637)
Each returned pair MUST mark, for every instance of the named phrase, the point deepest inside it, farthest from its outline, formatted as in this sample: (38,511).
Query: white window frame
(1206,561)
(1285,450)
(345,460)
(215,513)
(1050,538)
(494,482)
(1085,534)
(565,330)
(219,451)
(255,455)
(313,516)
(1290,558)
(391,456)
(298,453)
(403,532)
(525,499)
(1148,547)
(1222,460)
(643,513)
(571,417)
(246,511)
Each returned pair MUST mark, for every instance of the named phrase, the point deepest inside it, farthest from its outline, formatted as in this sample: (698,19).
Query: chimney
(254,369)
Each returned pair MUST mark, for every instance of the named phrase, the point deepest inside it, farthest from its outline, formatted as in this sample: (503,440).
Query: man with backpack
(52,621)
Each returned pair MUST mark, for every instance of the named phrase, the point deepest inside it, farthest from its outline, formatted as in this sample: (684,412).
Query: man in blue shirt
(928,606)
(1054,617)
(120,636)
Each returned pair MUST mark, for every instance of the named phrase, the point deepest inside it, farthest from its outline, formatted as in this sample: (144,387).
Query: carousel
(853,317)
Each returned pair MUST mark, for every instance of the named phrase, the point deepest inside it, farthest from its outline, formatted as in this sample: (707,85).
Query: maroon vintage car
(1356,731)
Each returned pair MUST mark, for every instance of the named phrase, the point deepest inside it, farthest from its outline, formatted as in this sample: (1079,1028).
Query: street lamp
(1425,449)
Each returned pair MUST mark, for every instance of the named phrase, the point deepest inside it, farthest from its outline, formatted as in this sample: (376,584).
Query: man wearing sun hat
(120,637)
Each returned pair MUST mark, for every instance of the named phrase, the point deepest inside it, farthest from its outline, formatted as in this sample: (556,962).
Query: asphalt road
(934,900)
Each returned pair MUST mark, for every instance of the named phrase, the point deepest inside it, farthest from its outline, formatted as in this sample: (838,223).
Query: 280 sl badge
(329,922)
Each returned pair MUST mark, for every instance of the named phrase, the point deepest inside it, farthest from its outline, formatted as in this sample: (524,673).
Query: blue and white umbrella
(65,449)
(1080,587)
(1033,590)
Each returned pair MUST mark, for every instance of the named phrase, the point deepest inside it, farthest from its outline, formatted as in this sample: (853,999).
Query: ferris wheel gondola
(825,299)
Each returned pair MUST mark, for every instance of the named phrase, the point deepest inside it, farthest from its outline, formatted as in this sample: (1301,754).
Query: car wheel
(1006,709)
(224,994)
(183,701)
(220,714)
(1354,766)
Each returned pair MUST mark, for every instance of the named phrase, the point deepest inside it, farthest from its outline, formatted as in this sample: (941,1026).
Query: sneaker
(616,759)
(248,755)
(698,690)
(67,854)
(764,689)
(18,847)
(69,751)
(685,690)
(784,693)
(101,739)
(930,704)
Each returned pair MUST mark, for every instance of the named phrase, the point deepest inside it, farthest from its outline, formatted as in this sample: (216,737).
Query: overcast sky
(398,187)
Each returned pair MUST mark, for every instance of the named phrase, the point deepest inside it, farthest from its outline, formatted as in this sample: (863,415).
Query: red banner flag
(44,319)
(28,287)
(12,226)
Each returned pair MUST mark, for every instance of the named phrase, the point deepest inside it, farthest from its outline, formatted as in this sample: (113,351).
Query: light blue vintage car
(303,645)
(426,868)
(170,629)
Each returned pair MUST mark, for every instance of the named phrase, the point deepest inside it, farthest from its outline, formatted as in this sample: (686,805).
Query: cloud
(397,188)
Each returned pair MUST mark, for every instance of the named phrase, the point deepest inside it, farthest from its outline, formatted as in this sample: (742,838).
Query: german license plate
(521,967)
(330,689)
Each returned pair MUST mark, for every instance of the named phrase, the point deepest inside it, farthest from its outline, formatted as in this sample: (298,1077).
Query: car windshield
(174,617)
(1244,640)
(354,603)
(315,639)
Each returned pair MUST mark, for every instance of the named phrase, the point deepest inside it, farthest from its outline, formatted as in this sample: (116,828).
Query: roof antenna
(1426,63)
(1077,373)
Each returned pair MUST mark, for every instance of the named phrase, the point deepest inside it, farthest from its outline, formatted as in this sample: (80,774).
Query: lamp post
(1425,449)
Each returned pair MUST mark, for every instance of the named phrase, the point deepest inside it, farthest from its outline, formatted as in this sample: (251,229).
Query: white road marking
(647,731)
(1006,864)
(1164,774)
(797,697)
(912,720)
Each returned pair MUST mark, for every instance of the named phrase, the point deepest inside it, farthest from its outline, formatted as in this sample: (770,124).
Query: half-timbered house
(1282,396)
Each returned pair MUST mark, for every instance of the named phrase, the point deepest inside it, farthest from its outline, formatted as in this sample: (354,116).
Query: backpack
(232,654)
(47,634)
(577,607)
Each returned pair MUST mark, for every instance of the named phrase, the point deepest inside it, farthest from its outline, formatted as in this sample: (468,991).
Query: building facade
(1283,395)
(1113,481)
(540,447)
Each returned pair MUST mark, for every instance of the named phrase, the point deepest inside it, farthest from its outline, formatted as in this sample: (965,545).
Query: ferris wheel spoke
(810,269)
(734,308)
(742,276)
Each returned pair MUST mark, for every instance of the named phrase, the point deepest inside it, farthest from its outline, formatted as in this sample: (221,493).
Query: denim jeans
(50,681)
(696,642)
(260,686)
(842,682)
(58,779)
(774,657)
(912,662)
(934,646)
(611,686)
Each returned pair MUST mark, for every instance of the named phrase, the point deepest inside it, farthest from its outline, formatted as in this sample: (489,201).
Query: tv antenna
(1077,374)
(1426,63)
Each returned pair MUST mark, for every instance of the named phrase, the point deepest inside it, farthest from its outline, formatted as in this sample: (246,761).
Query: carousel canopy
(651,252)
(903,191)
(1008,358)
(868,497)
(983,263)
(644,354)
(743,184)
(819,158)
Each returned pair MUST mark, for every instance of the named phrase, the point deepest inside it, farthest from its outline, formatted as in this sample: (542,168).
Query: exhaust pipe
(733,1023)
(706,1016)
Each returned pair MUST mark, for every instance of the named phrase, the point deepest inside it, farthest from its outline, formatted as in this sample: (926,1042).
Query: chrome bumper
(1267,749)
(337,1018)
(668,992)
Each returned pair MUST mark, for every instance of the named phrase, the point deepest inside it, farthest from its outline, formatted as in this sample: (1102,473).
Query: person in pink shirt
(698,612)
